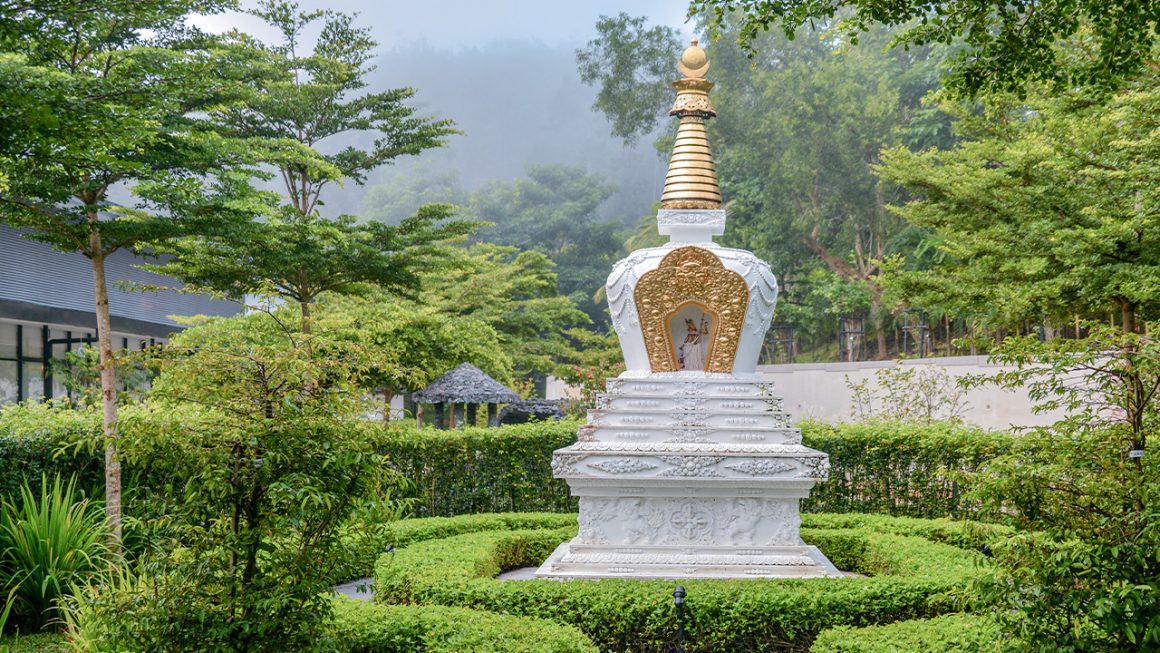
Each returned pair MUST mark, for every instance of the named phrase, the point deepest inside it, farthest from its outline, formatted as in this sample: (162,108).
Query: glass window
(33,341)
(8,392)
(59,390)
(7,340)
(33,381)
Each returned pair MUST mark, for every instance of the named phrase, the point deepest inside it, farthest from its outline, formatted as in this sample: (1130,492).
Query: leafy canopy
(308,100)
(1008,44)
(631,65)
(1046,208)
(554,211)
(515,293)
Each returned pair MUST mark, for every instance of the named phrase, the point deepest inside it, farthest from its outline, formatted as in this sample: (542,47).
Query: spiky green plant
(48,544)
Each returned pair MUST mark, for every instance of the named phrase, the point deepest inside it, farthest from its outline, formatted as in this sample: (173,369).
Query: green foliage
(299,257)
(1046,208)
(401,194)
(923,394)
(35,643)
(48,544)
(514,292)
(899,468)
(1007,44)
(478,469)
(80,373)
(422,339)
(896,468)
(1085,576)
(632,67)
(250,424)
(598,359)
(911,578)
(554,211)
(950,633)
(38,440)
(362,627)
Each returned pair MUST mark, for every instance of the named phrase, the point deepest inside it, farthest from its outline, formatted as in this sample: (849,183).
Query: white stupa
(689,467)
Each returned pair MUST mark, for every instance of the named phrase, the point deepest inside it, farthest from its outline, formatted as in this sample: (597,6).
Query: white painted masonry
(820,390)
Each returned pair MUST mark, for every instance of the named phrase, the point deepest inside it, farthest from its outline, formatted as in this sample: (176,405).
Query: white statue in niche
(691,330)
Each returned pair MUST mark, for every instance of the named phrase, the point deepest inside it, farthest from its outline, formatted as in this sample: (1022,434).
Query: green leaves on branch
(632,66)
(298,257)
(1007,44)
(1046,208)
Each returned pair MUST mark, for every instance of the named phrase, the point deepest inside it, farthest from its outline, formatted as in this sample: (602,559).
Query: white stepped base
(688,475)
(573,560)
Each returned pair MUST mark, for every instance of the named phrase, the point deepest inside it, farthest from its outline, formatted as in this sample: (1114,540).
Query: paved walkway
(356,589)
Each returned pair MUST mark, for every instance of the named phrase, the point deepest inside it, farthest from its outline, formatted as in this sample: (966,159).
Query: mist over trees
(517,104)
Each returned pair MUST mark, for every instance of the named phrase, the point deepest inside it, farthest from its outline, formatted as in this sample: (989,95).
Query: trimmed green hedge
(877,467)
(910,578)
(35,442)
(481,470)
(362,627)
(898,468)
(951,633)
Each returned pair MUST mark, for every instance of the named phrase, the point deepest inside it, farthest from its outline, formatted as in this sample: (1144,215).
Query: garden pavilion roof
(466,384)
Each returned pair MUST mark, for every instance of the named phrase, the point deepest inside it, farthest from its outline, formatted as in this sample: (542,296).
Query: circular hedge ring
(909,568)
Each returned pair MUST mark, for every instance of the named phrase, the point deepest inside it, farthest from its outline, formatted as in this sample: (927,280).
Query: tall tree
(553,211)
(102,100)
(515,292)
(318,100)
(1007,43)
(1047,208)
(631,65)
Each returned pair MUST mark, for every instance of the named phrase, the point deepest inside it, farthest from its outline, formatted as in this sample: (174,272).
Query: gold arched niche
(691,275)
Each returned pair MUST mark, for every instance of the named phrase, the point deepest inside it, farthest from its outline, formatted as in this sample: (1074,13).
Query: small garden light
(679,601)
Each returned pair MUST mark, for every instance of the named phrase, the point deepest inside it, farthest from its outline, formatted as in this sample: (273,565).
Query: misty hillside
(518,103)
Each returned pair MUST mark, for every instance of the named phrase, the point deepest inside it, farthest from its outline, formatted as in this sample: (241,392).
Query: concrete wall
(822,390)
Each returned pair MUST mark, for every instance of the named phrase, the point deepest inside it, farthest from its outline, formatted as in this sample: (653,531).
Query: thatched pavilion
(468,386)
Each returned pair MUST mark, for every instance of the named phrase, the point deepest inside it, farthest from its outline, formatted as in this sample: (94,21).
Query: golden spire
(692,179)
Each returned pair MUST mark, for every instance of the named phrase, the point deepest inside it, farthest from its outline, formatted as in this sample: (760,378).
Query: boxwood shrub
(363,627)
(877,467)
(950,633)
(478,470)
(898,468)
(36,442)
(908,577)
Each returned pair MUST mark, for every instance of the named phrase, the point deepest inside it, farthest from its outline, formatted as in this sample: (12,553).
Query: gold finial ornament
(691,182)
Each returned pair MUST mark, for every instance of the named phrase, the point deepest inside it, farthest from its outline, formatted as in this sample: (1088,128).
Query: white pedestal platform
(688,475)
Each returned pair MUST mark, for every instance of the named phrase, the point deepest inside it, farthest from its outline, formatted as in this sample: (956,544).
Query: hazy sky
(454,24)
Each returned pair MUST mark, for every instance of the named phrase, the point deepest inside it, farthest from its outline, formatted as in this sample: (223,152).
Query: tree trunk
(879,324)
(305,305)
(1128,316)
(108,391)
(388,396)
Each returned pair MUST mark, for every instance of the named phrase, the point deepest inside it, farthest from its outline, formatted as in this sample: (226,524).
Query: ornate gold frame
(691,275)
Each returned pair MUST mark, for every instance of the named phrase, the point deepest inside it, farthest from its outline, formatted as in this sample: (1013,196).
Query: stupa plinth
(689,466)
